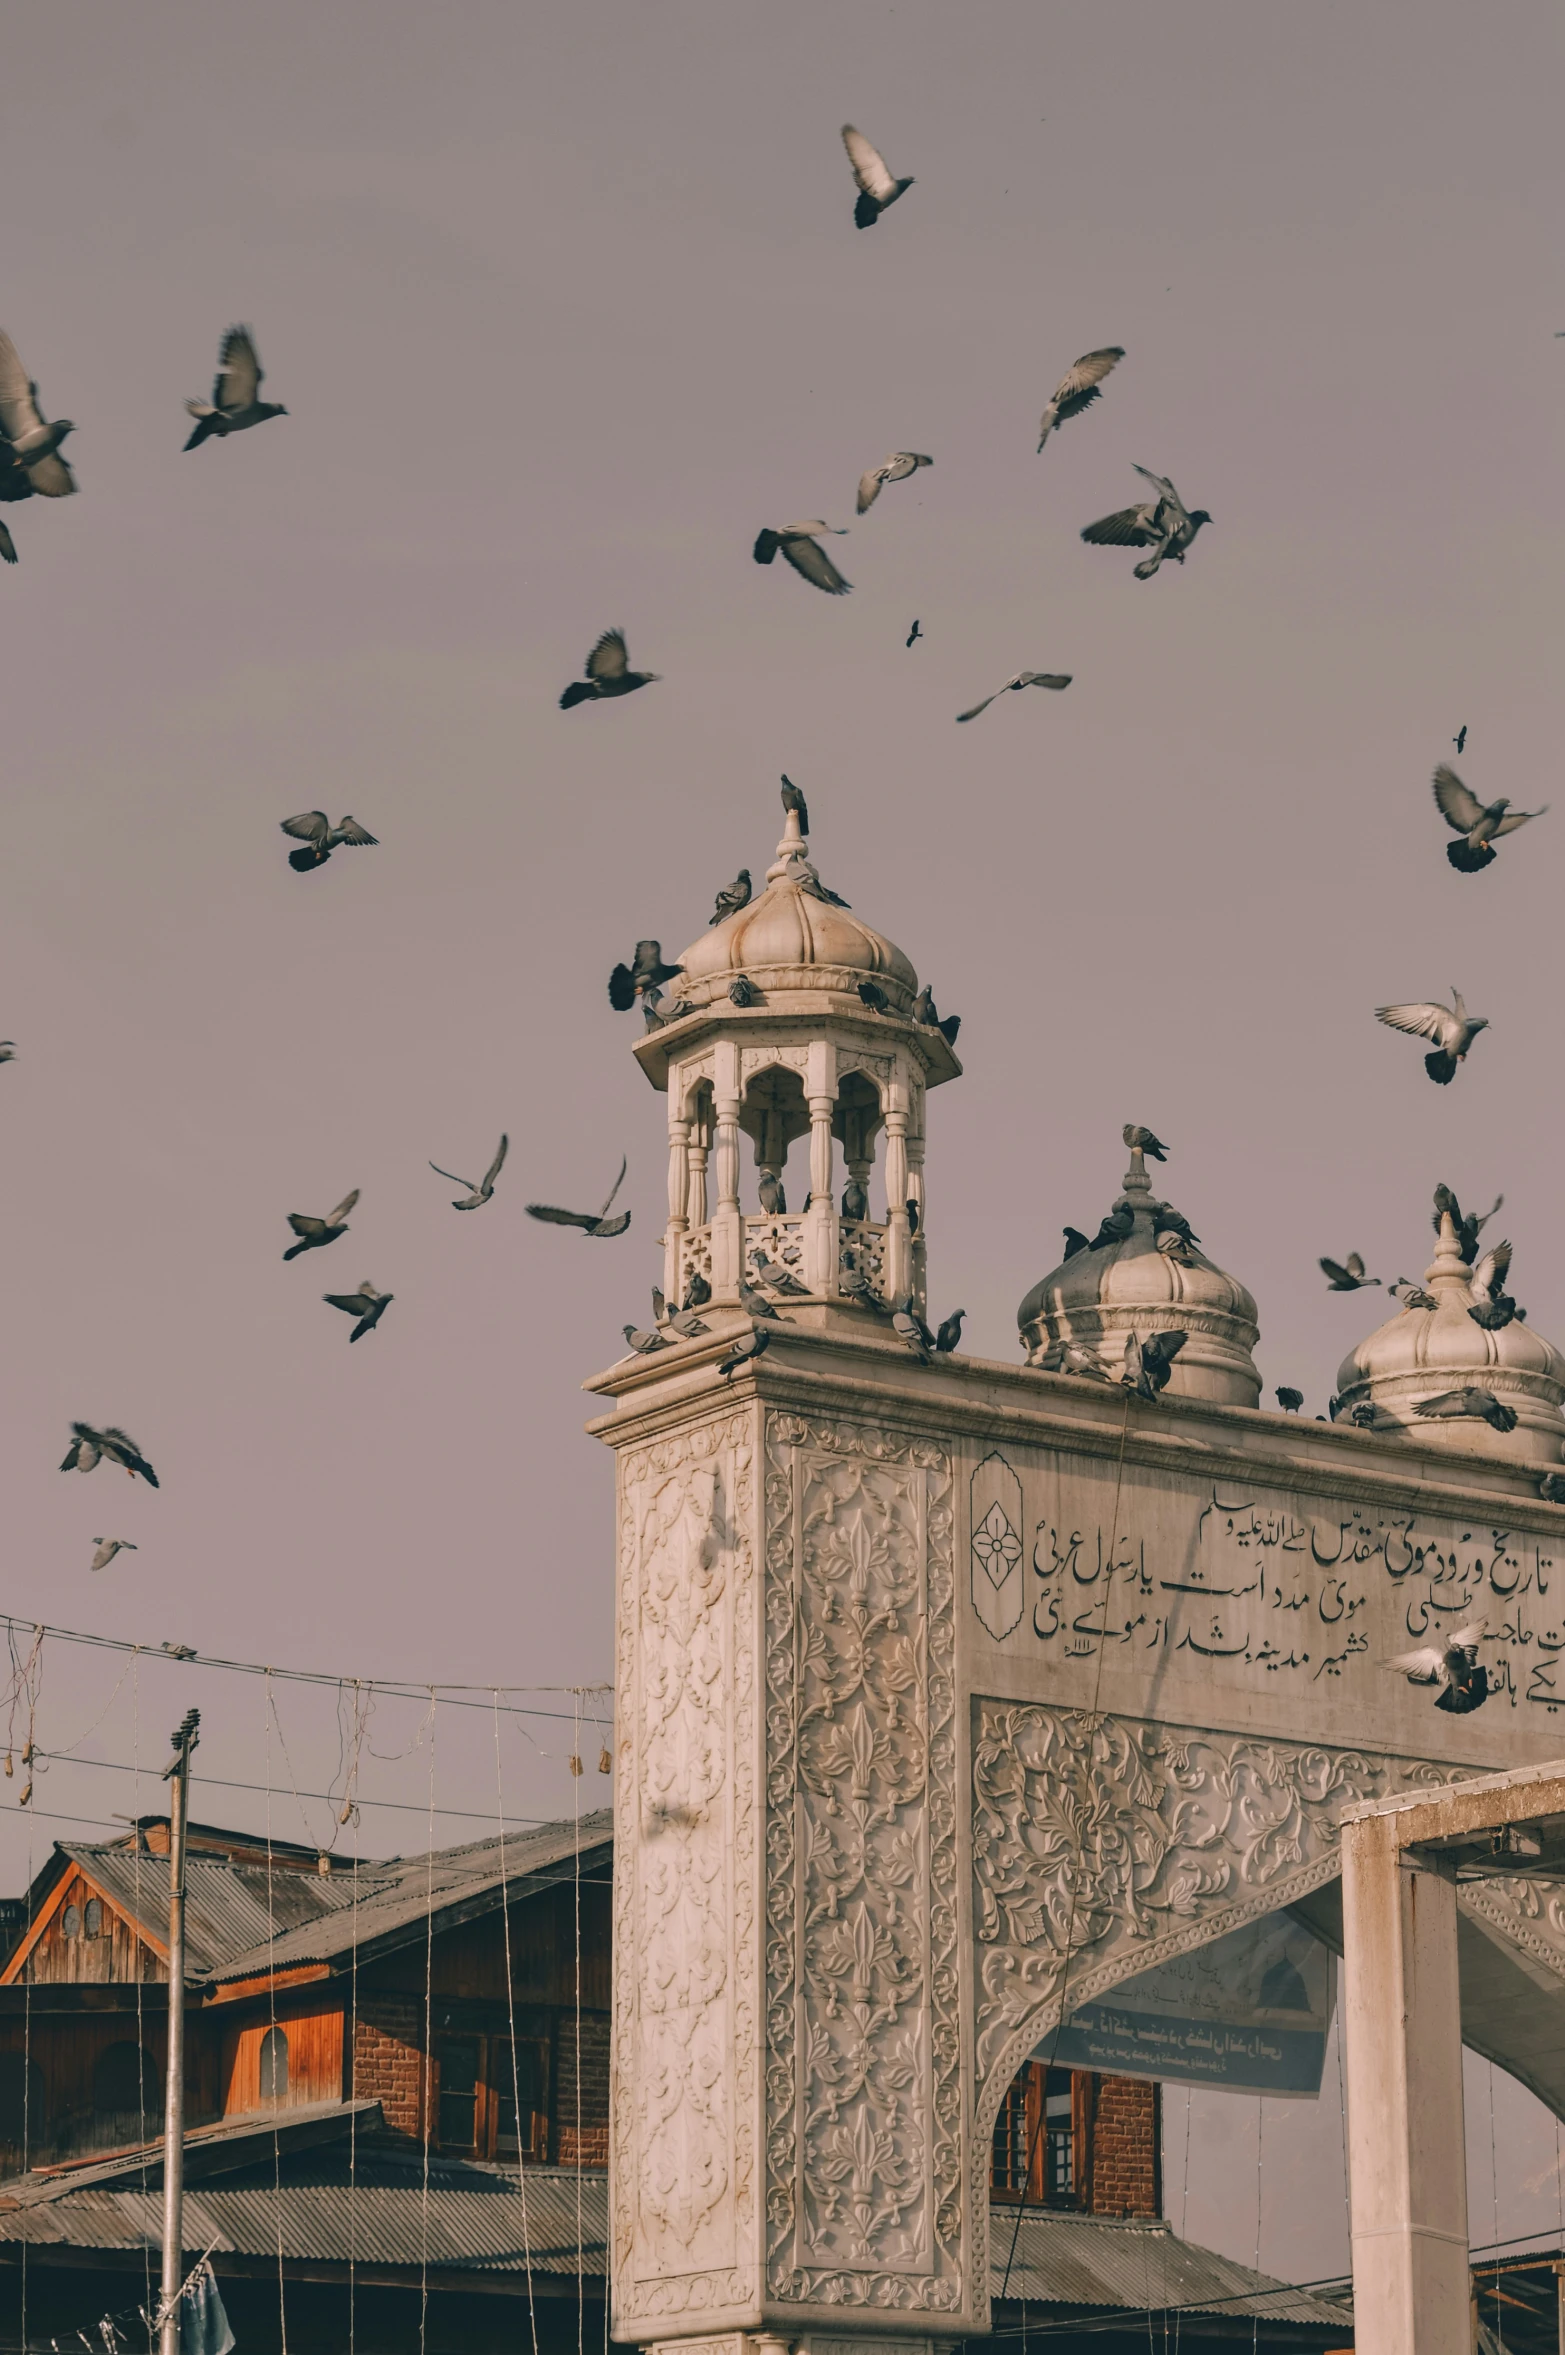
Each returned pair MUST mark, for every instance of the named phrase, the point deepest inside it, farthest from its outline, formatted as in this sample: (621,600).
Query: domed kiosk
(1151,1279)
(1424,1351)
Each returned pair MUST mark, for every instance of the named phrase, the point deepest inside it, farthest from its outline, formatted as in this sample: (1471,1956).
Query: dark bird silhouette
(608,673)
(1460,740)
(1164,524)
(318,838)
(1055,679)
(1479,824)
(1451,1027)
(315,1233)
(1552,1488)
(110,1444)
(7,1050)
(743,991)
(793,799)
(730,901)
(1492,1306)
(799,546)
(911,1330)
(367,1304)
(1453,1665)
(874,997)
(1115,1228)
(1142,1140)
(926,1012)
(1346,1275)
(1079,388)
(877,188)
(855,1200)
(644,973)
(774,1200)
(477,1193)
(950,1333)
(697,1291)
(1289,1400)
(911,1207)
(1468,1228)
(1075,1241)
(744,1352)
(592,1222)
(914,634)
(1472,1403)
(1149,1364)
(235,402)
(1166,1220)
(31,466)
(896,468)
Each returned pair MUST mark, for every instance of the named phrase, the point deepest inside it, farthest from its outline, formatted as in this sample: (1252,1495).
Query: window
(21,2103)
(71,1922)
(92,1918)
(1059,2154)
(274,2065)
(457,2126)
(1033,2158)
(125,2089)
(519,2077)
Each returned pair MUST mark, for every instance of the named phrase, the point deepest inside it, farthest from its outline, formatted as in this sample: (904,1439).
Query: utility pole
(177,1775)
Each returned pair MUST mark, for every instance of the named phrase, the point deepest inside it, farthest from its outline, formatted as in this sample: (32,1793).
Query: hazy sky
(564,305)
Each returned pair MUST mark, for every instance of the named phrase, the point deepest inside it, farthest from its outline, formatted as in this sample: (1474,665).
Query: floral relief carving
(863,2074)
(1531,1914)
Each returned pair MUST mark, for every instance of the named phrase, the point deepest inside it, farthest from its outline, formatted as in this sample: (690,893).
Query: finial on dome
(794,845)
(1448,1275)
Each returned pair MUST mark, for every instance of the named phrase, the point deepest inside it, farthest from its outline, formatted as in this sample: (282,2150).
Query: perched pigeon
(1451,1027)
(754,1304)
(593,1222)
(608,673)
(29,443)
(1166,1220)
(874,997)
(1472,1404)
(1173,1244)
(950,1333)
(1289,1400)
(798,544)
(911,1207)
(180,1651)
(800,871)
(743,991)
(730,902)
(1552,1488)
(1460,740)
(896,468)
(1115,1228)
(697,1291)
(877,188)
(1055,679)
(1453,1665)
(1493,1308)
(774,1200)
(1142,1140)
(1365,1415)
(629,982)
(1468,1227)
(745,1351)
(114,1446)
(644,1343)
(479,1194)
(854,1285)
(1149,1364)
(1075,1241)
(659,1304)
(1480,825)
(914,634)
(778,1278)
(855,1200)
(793,799)
(234,404)
(1346,1276)
(1165,525)
(108,1547)
(926,1012)
(368,1305)
(1078,388)
(318,838)
(1412,1295)
(911,1330)
(687,1324)
(1066,1357)
(315,1233)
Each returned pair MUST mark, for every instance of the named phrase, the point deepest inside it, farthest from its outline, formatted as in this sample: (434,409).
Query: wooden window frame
(1033,2078)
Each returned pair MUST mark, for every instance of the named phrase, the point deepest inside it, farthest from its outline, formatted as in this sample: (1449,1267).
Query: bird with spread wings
(1451,1027)
(479,1194)
(236,403)
(592,1222)
(1078,388)
(878,186)
(1479,824)
(797,544)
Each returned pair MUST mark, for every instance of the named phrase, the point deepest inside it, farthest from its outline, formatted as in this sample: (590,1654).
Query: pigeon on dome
(1468,1229)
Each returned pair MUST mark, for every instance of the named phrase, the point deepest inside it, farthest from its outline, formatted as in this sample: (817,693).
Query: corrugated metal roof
(1066,2260)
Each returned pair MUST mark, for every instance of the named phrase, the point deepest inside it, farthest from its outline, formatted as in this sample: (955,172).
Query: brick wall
(587,2146)
(387,2060)
(1126,2144)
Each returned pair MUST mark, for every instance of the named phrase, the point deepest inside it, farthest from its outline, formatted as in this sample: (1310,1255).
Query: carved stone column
(678,1203)
(899,1258)
(820,1238)
(727,1225)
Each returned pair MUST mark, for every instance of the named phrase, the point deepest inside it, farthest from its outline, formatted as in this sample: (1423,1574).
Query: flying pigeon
(793,799)
(745,1351)
(1412,1295)
(7,1050)
(596,1223)
(1289,1400)
(855,1200)
(950,1333)
(1479,824)
(914,634)
(743,991)
(1493,1308)
(1149,1364)
(773,1199)
(368,1305)
(754,1304)
(479,1194)
(644,1343)
(1165,525)
(1075,1241)
(798,544)
(114,1446)
(608,673)
(1460,740)
(1453,1665)
(108,1547)
(29,443)
(233,405)
(1055,679)
(896,468)
(1141,1139)
(874,997)
(1348,1275)
(1115,1228)
(629,982)
(730,902)
(1468,1228)
(877,188)
(1078,388)
(1451,1027)
(1473,1404)
(926,1012)
(318,838)
(315,1233)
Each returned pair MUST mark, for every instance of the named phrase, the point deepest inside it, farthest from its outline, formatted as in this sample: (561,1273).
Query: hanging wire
(138,1953)
(510,2001)
(429,2040)
(581,2254)
(270,2041)
(217,1782)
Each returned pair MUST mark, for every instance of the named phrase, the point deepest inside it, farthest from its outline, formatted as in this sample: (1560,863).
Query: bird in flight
(318,838)
(112,1445)
(315,1233)
(1479,824)
(896,468)
(877,188)
(798,545)
(593,1222)
(1452,1664)
(1473,1404)
(608,673)
(1460,740)
(234,404)
(1055,679)
(1164,524)
(928,1013)
(30,462)
(1079,388)
(108,1547)
(1492,1306)
(1142,1140)
(1289,1400)
(479,1194)
(1346,1275)
(1411,1295)
(1468,1228)
(7,1050)
(367,1304)
(644,974)
(914,634)
(1451,1027)
(730,901)
(1149,1364)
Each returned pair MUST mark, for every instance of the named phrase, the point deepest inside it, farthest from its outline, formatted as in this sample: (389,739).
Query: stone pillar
(899,1256)
(820,1234)
(1407,2168)
(727,1224)
(678,1202)
(915,1194)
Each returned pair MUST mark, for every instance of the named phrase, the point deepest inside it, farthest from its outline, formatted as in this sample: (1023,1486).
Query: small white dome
(1096,1298)
(787,938)
(1422,1351)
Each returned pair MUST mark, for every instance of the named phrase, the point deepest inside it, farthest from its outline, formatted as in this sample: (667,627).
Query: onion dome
(1150,1280)
(1422,1352)
(789,938)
